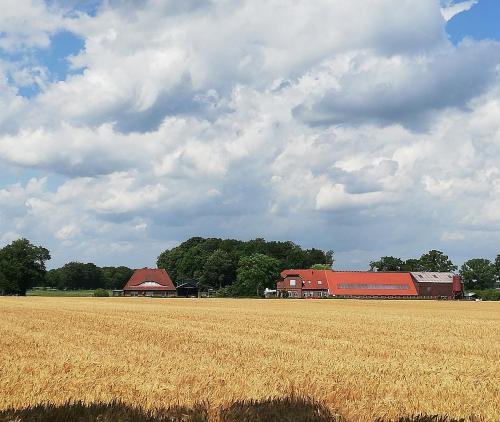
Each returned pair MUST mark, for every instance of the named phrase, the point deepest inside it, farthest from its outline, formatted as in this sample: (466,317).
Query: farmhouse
(323,283)
(150,282)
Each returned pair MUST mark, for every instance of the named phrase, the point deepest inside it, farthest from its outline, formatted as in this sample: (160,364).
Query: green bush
(488,294)
(101,293)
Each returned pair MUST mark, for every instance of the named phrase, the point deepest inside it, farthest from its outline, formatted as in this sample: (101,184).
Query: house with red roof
(303,284)
(150,282)
(323,283)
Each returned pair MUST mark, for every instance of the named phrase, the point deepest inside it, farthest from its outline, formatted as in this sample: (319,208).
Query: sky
(370,128)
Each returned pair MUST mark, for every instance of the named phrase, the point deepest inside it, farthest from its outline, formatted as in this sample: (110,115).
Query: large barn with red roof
(150,282)
(324,283)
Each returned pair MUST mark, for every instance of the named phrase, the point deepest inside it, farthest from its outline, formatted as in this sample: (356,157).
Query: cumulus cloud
(450,9)
(354,120)
(406,90)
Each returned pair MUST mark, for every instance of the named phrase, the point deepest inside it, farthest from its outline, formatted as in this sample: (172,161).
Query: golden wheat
(364,359)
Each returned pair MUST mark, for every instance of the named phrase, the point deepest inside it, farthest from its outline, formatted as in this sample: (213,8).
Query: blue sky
(126,130)
(480,22)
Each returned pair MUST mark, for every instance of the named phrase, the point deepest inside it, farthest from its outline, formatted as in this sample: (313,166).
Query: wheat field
(363,359)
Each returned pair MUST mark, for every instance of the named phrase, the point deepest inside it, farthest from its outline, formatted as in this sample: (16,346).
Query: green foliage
(76,276)
(412,264)
(433,261)
(197,258)
(497,268)
(488,294)
(321,267)
(478,273)
(218,270)
(5,285)
(436,261)
(116,277)
(80,276)
(387,263)
(22,265)
(101,293)
(255,273)
(49,292)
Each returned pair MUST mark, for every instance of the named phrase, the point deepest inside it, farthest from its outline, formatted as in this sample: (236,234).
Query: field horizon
(363,359)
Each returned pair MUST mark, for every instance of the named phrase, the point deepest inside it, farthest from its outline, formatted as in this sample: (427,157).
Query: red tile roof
(150,279)
(313,279)
(369,283)
(353,283)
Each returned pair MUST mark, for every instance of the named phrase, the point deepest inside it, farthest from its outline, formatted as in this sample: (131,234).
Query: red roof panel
(313,279)
(344,283)
(145,275)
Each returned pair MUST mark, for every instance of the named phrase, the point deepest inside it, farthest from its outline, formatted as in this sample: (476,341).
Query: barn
(150,282)
(370,284)
(434,284)
(324,283)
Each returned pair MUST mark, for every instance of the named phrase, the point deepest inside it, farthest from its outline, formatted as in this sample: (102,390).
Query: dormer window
(150,284)
(293,282)
(320,282)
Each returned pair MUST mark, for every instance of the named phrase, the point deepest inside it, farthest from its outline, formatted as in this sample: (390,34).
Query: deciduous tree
(478,273)
(23,266)
(436,261)
(387,263)
(255,273)
(219,269)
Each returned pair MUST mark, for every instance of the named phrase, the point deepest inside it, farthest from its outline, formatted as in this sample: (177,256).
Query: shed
(187,288)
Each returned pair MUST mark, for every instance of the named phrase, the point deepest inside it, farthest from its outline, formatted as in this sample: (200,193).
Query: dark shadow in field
(287,409)
(102,412)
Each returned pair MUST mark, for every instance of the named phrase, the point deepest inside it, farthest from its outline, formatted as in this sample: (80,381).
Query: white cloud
(333,197)
(450,9)
(214,118)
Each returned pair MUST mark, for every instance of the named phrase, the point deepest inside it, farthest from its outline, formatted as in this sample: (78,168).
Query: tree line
(22,266)
(233,267)
(477,273)
(236,267)
(87,276)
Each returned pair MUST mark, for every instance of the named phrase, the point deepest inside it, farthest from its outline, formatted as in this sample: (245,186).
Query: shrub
(101,293)
(488,294)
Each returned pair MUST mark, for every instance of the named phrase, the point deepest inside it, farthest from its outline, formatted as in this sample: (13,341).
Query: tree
(255,273)
(116,277)
(412,264)
(76,275)
(478,273)
(219,269)
(23,266)
(321,267)
(5,285)
(497,268)
(436,261)
(387,263)
(188,260)
(53,278)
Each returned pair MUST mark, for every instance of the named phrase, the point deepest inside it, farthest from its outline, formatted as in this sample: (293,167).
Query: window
(308,281)
(320,282)
(421,276)
(434,275)
(293,282)
(374,286)
(149,283)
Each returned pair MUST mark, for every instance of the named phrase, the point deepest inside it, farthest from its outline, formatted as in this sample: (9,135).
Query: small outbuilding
(187,288)
(150,282)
